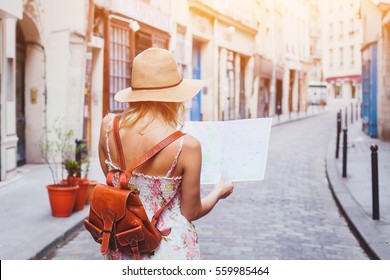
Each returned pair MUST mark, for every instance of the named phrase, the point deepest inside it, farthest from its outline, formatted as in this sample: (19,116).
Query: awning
(344,78)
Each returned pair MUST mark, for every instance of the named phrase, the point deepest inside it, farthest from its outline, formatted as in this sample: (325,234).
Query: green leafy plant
(83,158)
(72,167)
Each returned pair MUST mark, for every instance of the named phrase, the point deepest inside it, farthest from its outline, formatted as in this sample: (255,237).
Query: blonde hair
(170,112)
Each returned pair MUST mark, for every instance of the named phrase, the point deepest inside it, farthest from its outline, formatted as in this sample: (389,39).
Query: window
(341,57)
(352,55)
(330,58)
(122,45)
(351,26)
(149,38)
(143,41)
(330,30)
(180,53)
(119,57)
(341,31)
(159,42)
(230,75)
(180,44)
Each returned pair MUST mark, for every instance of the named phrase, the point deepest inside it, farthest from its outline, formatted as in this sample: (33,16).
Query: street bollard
(375,187)
(351,113)
(346,117)
(357,113)
(338,134)
(345,153)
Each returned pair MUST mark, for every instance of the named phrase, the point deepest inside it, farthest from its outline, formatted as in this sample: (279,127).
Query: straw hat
(156,77)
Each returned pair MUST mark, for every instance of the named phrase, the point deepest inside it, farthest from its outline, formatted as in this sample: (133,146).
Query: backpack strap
(119,150)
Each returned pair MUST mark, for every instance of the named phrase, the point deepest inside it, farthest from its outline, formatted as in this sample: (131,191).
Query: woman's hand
(223,188)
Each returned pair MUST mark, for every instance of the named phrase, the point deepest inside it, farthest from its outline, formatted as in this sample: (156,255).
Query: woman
(155,111)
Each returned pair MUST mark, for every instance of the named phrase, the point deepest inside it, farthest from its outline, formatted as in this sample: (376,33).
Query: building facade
(341,53)
(231,49)
(297,54)
(55,68)
(317,87)
(42,62)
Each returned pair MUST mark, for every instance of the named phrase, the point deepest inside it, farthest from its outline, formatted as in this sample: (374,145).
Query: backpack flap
(109,205)
(107,197)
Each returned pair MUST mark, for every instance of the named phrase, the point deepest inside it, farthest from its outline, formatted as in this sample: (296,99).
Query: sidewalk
(28,228)
(354,193)
(29,231)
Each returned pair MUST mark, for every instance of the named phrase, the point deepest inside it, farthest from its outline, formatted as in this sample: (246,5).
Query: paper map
(236,149)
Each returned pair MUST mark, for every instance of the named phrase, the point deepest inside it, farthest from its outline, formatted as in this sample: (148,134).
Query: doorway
(279,94)
(242,100)
(20,98)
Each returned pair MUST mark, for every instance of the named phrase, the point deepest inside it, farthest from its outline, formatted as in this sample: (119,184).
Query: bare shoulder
(191,144)
(106,121)
(107,118)
(105,125)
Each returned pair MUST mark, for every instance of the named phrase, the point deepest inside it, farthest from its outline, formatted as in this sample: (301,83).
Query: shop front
(235,70)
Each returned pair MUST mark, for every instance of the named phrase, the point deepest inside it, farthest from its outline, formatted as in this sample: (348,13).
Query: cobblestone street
(289,215)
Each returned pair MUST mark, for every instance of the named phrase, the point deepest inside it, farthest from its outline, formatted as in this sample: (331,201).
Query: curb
(362,227)
(49,250)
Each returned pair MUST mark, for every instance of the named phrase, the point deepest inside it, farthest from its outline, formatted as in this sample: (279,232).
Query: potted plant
(73,168)
(55,146)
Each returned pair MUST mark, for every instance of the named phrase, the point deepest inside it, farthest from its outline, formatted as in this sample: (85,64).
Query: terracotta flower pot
(91,187)
(81,194)
(62,199)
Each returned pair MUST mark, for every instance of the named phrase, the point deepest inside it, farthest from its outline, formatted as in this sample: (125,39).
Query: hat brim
(182,92)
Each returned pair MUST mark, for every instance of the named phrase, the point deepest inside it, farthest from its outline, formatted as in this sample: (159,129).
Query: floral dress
(154,192)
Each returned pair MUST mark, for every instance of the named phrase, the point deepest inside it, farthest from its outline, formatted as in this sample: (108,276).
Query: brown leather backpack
(117,218)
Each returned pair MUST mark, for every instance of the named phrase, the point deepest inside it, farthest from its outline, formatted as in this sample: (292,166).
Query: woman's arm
(192,206)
